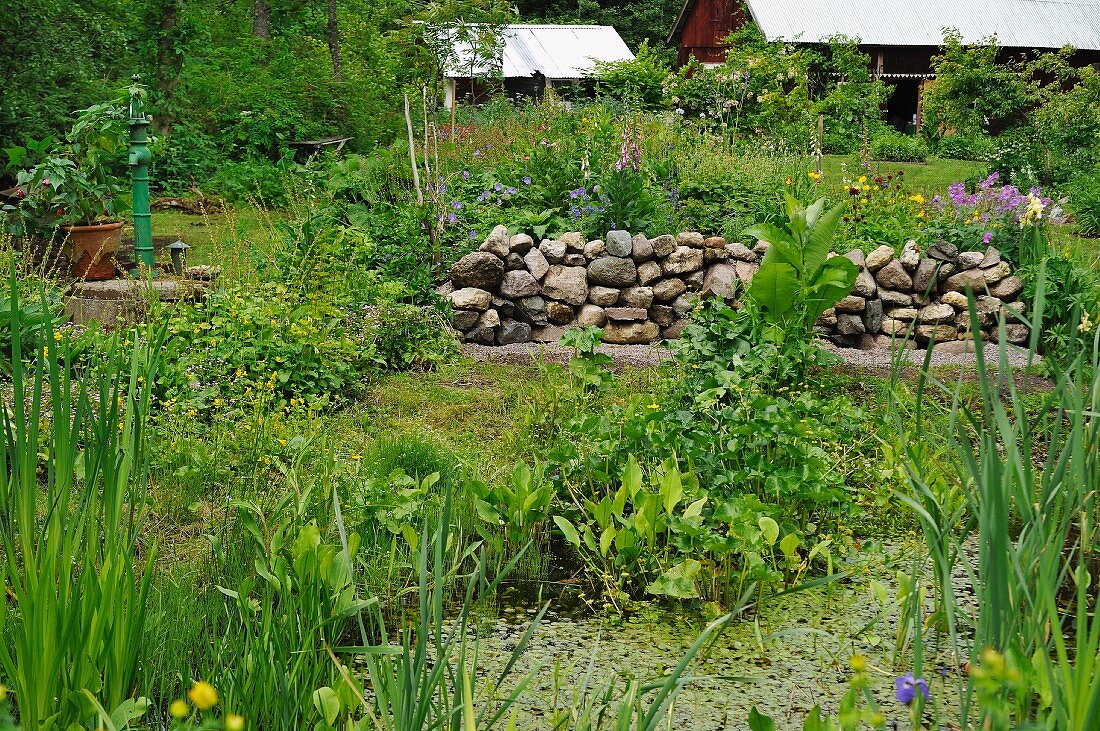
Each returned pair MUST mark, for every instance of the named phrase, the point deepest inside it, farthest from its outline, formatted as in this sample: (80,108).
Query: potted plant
(75,189)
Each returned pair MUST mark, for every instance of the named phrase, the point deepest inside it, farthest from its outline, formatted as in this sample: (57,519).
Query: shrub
(896,147)
(1084,200)
(184,157)
(965,147)
(636,83)
(254,178)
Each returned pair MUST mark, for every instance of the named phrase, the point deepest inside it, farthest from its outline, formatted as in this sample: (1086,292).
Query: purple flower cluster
(630,154)
(989,207)
(584,203)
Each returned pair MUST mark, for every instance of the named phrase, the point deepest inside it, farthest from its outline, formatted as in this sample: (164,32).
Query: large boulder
(663,245)
(618,243)
(924,278)
(497,242)
(722,281)
(518,284)
(851,304)
(554,251)
(693,239)
(613,271)
(683,260)
(1008,288)
(511,331)
(470,298)
(594,249)
(739,251)
(568,284)
(865,285)
(478,269)
(559,313)
(648,272)
(626,314)
(521,243)
(872,316)
(574,241)
(879,258)
(466,319)
(936,313)
(591,315)
(968,279)
(894,276)
(643,249)
(631,333)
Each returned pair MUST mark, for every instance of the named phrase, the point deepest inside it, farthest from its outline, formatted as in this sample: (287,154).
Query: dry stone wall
(639,290)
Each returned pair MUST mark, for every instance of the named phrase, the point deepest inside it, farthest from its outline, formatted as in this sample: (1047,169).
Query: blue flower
(473,234)
(465,174)
(457,205)
(526,179)
(452,218)
(906,688)
(498,187)
(576,212)
(477,153)
(511,191)
(574,193)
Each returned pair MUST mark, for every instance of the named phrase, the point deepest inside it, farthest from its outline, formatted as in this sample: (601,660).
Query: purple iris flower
(526,179)
(906,688)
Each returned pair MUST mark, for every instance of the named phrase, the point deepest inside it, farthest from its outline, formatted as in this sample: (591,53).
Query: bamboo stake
(412,154)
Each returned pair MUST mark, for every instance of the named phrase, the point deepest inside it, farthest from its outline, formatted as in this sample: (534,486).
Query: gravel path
(640,356)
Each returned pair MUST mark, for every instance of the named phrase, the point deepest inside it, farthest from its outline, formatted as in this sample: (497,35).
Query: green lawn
(236,239)
(931,177)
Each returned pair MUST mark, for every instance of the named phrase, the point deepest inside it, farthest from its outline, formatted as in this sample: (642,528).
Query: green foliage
(1084,201)
(853,98)
(797,280)
(897,147)
(77,580)
(638,83)
(959,146)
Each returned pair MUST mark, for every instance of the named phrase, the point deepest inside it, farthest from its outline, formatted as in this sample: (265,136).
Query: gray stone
(478,269)
(851,304)
(955,347)
(465,319)
(713,255)
(880,257)
(626,314)
(506,308)
(631,333)
(512,331)
(663,245)
(521,243)
(761,247)
(936,314)
(946,270)
(648,272)
(683,260)
(721,280)
(445,289)
(865,285)
(969,279)
(1014,311)
(643,249)
(996,273)
(574,241)
(637,297)
(905,314)
(574,260)
(849,324)
(594,249)
(1017,334)
(667,290)
(694,281)
(943,251)
(488,319)
(497,242)
(890,326)
(992,258)
(536,263)
(1008,289)
(856,257)
(549,334)
(603,296)
(937,333)
(514,262)
(987,305)
(739,251)
(746,271)
(663,315)
(481,335)
(958,300)
(693,239)
(910,256)
(924,279)
(673,331)
(470,298)
(683,306)
(559,313)
(518,284)
(554,251)
(894,276)
(969,260)
(568,284)
(893,298)
(591,315)
(613,271)
(532,310)
(619,243)
(827,319)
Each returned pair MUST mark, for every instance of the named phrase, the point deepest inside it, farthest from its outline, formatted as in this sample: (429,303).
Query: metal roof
(1016,23)
(558,51)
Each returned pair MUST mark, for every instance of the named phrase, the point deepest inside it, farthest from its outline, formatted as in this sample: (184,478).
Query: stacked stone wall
(639,289)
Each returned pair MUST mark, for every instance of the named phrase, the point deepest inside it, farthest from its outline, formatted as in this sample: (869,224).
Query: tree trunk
(334,41)
(166,76)
(261,19)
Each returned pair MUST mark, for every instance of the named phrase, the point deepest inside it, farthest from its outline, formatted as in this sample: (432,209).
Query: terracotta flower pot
(93,249)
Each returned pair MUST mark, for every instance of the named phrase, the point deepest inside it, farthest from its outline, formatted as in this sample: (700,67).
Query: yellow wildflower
(179,708)
(918,198)
(233,722)
(814,175)
(203,695)
(862,178)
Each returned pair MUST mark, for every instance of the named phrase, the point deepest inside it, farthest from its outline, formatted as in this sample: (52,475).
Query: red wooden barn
(900,36)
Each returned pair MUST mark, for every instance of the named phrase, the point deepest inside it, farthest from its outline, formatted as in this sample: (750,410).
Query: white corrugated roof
(558,51)
(1016,23)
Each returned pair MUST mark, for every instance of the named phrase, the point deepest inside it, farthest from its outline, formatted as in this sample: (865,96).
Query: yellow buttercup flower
(233,722)
(862,178)
(918,198)
(203,695)
(179,708)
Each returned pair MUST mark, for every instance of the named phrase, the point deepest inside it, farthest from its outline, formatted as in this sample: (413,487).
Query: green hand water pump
(139,176)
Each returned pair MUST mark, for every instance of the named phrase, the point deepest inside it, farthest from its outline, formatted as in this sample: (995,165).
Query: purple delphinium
(906,688)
